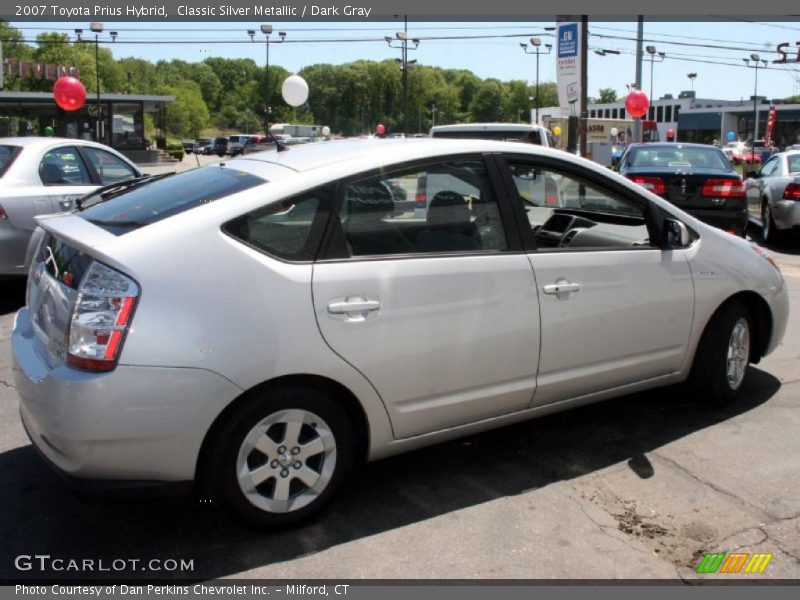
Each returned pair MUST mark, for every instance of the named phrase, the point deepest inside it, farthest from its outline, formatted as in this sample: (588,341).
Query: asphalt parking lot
(637,487)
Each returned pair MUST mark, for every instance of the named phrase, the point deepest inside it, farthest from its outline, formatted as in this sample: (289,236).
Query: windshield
(679,156)
(7,156)
(168,197)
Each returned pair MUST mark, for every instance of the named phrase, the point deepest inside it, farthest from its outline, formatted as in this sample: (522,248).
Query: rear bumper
(143,424)
(13,246)
(729,220)
(786,213)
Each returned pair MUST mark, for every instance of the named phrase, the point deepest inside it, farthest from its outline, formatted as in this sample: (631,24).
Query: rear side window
(7,156)
(290,229)
(109,167)
(167,197)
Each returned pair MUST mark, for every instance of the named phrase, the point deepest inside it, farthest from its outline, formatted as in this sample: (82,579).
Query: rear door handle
(562,286)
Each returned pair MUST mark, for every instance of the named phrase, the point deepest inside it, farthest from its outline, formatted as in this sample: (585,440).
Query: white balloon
(294,90)
(326,131)
(614,131)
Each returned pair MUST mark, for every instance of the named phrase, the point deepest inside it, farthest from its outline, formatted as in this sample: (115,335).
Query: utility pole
(402,36)
(584,82)
(637,122)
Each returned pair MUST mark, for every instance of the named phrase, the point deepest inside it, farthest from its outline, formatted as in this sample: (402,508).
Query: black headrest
(448,209)
(51,173)
(372,197)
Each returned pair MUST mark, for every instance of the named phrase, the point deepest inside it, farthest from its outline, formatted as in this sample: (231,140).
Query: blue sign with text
(568,40)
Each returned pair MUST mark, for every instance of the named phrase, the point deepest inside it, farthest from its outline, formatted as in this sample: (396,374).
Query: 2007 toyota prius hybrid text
(262,326)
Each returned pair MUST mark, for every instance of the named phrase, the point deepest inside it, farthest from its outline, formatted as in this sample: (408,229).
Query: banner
(568,65)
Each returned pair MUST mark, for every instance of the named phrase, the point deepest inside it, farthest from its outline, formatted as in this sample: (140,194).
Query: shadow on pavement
(788,242)
(12,294)
(39,515)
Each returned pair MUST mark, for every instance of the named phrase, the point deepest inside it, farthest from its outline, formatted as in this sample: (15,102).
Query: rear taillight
(421,198)
(654,184)
(723,188)
(3,214)
(550,192)
(792,192)
(100,319)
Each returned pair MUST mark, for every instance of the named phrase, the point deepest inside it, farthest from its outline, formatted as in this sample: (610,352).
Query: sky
(688,47)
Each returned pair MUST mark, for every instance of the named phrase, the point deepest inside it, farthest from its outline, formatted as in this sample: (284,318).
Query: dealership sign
(788,54)
(568,59)
(26,69)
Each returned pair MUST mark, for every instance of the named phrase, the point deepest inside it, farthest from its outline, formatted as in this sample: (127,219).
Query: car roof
(34,141)
(374,153)
(488,127)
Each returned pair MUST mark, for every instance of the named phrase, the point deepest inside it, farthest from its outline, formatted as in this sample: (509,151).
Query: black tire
(709,381)
(769,231)
(262,505)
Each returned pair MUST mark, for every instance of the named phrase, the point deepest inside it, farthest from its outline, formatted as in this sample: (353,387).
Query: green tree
(187,115)
(606,96)
(487,103)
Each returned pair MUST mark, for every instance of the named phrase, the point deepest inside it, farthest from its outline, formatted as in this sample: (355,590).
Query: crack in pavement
(10,386)
(713,486)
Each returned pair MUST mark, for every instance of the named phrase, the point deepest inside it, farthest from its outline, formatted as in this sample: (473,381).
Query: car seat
(450,226)
(366,230)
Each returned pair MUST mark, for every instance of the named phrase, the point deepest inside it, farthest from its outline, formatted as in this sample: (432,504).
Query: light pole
(433,115)
(758,63)
(97,28)
(536,43)
(266,29)
(651,50)
(692,77)
(402,37)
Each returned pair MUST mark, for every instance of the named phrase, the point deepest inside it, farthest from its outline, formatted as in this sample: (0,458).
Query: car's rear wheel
(280,457)
(723,355)
(769,232)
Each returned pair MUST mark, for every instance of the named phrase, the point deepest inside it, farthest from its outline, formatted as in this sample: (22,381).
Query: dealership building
(704,120)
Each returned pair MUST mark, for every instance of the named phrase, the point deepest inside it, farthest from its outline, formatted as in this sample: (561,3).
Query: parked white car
(773,195)
(41,175)
(263,325)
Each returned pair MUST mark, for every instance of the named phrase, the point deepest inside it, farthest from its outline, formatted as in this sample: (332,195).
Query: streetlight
(266,29)
(402,37)
(433,115)
(756,59)
(97,29)
(651,50)
(692,77)
(537,45)
(606,52)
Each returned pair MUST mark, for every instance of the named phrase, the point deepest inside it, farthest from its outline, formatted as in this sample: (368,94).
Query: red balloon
(380,129)
(637,103)
(69,93)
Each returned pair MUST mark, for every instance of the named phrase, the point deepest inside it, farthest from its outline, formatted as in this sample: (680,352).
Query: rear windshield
(166,197)
(678,156)
(529,137)
(7,156)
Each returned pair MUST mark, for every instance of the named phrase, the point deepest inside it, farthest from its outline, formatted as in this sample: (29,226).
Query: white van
(509,132)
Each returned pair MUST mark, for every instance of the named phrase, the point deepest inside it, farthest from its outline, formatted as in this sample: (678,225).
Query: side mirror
(676,235)
(752,175)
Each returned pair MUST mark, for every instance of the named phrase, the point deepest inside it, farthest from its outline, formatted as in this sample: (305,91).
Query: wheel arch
(761,316)
(348,401)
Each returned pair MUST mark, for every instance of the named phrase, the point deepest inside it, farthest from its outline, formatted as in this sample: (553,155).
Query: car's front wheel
(280,457)
(723,355)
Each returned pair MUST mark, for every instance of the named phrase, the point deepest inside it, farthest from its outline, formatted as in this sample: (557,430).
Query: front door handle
(355,307)
(561,287)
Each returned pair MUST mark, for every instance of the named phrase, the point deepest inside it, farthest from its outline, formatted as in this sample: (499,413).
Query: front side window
(443,208)
(568,213)
(110,168)
(64,166)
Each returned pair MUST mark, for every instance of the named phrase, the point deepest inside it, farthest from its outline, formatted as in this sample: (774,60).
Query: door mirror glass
(676,234)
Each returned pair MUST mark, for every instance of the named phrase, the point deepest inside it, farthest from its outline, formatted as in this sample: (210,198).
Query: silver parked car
(262,325)
(41,175)
(773,195)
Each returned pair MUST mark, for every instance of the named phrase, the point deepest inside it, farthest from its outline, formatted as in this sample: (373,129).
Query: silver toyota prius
(263,325)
